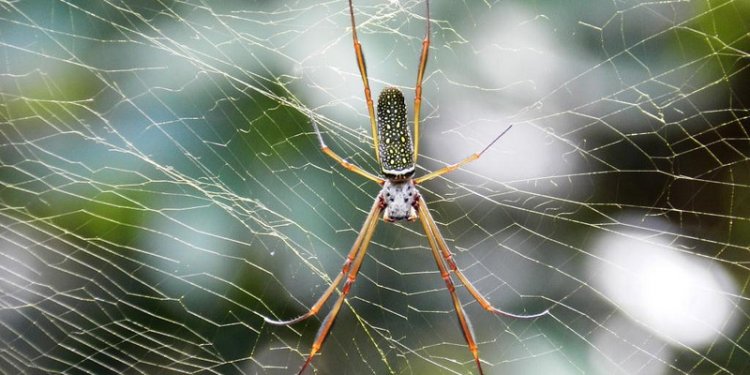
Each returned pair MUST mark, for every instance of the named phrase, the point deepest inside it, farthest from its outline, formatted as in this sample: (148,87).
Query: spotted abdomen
(395,145)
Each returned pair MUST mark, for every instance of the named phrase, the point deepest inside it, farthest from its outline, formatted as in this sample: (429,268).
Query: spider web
(161,188)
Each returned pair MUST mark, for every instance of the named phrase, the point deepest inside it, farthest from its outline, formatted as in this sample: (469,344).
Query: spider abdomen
(395,146)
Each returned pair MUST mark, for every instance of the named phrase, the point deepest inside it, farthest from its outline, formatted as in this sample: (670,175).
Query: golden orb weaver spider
(398,200)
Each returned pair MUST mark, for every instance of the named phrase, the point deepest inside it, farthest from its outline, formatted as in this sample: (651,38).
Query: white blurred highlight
(685,299)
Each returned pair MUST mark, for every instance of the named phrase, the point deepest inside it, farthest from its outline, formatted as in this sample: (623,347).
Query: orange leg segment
(351,269)
(453,167)
(418,88)
(325,328)
(463,320)
(432,230)
(365,81)
(349,166)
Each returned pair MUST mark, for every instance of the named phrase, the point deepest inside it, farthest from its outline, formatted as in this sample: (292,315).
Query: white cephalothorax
(400,199)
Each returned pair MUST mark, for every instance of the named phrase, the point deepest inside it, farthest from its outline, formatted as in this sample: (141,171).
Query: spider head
(400,198)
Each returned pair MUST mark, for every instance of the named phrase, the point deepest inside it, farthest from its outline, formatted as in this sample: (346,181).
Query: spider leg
(463,320)
(432,228)
(453,167)
(372,216)
(365,81)
(420,76)
(349,166)
(365,235)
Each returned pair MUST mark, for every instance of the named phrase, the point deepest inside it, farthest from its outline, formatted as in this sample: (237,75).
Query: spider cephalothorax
(400,199)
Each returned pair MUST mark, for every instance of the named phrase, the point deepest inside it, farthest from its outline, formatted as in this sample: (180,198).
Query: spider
(399,199)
